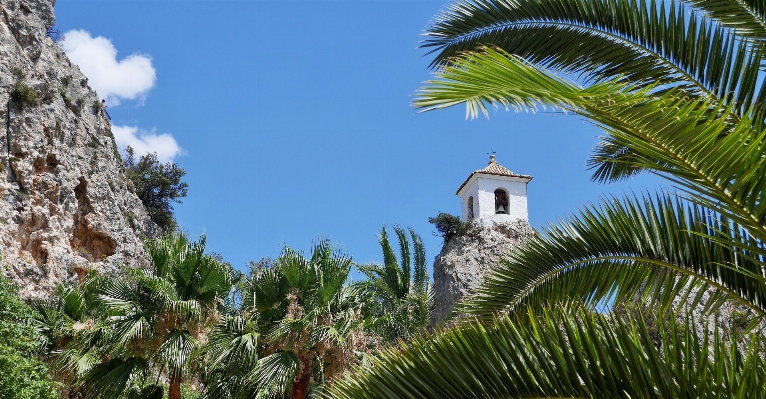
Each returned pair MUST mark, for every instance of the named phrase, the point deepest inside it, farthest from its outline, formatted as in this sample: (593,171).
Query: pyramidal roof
(493,168)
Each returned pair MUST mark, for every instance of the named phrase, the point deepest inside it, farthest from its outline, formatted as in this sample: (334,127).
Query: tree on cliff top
(157,185)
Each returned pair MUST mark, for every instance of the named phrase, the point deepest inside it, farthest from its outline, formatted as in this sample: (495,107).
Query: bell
(500,209)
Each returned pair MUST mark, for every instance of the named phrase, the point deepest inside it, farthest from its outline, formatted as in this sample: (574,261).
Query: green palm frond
(331,276)
(274,374)
(404,255)
(80,355)
(549,355)
(420,272)
(696,143)
(695,146)
(215,279)
(175,350)
(166,252)
(267,294)
(111,379)
(185,272)
(636,41)
(231,353)
(495,78)
(661,248)
(295,268)
(392,277)
(234,342)
(746,17)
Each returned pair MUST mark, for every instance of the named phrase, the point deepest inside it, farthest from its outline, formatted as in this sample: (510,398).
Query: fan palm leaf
(113,378)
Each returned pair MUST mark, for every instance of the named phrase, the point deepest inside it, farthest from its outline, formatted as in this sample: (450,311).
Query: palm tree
(300,324)
(678,90)
(400,291)
(147,323)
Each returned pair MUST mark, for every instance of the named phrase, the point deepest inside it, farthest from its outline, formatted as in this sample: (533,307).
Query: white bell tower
(494,195)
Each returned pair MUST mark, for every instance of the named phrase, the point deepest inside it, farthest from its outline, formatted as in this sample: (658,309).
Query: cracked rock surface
(464,261)
(65,205)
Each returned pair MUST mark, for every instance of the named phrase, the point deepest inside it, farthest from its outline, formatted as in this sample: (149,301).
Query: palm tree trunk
(301,386)
(174,390)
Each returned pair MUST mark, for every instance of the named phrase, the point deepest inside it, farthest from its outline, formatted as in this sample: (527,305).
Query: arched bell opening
(470,207)
(501,202)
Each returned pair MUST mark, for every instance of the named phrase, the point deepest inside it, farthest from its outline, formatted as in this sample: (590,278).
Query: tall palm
(301,323)
(677,88)
(400,289)
(148,322)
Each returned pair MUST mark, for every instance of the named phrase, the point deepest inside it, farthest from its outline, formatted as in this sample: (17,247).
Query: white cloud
(144,142)
(129,78)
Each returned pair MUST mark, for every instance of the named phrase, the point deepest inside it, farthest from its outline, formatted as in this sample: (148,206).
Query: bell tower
(494,195)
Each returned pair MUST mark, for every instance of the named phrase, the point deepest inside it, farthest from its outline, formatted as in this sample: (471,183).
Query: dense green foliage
(449,226)
(157,185)
(119,337)
(23,95)
(400,297)
(299,325)
(188,319)
(22,375)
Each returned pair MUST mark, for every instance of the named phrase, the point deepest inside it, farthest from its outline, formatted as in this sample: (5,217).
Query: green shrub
(66,80)
(23,95)
(96,106)
(17,73)
(449,226)
(23,376)
(157,186)
(64,95)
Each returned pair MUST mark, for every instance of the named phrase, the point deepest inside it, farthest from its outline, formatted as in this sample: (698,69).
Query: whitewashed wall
(482,188)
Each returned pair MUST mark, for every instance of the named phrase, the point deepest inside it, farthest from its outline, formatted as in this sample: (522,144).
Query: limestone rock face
(464,261)
(65,205)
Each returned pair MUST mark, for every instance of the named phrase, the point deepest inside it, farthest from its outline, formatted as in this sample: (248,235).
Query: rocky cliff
(65,205)
(464,260)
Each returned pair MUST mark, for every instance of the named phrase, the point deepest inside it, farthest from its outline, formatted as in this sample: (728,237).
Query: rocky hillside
(65,206)
(464,260)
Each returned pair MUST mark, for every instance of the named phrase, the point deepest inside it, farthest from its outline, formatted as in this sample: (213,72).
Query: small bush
(24,95)
(64,95)
(17,73)
(48,95)
(96,106)
(67,80)
(449,226)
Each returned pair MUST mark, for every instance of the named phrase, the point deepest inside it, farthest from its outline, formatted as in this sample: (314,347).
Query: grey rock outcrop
(465,260)
(65,205)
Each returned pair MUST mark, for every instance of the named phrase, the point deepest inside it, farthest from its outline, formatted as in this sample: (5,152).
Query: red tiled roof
(493,168)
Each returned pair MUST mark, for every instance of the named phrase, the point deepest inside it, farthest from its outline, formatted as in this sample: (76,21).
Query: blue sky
(293,120)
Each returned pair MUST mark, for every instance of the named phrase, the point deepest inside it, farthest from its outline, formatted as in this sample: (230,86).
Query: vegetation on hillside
(283,330)
(24,375)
